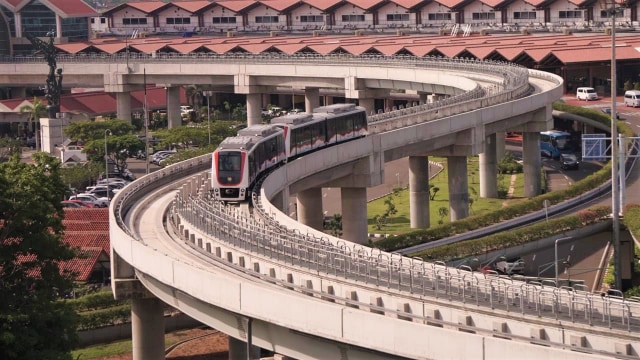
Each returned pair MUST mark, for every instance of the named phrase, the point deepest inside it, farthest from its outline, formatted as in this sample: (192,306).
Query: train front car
(239,161)
(229,168)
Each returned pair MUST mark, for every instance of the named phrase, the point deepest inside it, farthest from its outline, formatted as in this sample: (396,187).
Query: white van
(586,93)
(632,98)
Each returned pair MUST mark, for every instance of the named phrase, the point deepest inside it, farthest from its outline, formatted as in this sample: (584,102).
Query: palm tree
(35,111)
(194,98)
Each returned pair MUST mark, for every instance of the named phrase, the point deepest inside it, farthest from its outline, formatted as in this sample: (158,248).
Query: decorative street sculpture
(54,79)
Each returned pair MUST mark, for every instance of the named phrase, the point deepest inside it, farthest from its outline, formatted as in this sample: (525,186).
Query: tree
(335,225)
(442,212)
(227,106)
(120,143)
(35,111)
(194,98)
(8,147)
(433,190)
(33,323)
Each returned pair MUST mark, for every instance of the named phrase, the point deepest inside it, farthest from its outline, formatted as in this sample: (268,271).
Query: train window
(230,161)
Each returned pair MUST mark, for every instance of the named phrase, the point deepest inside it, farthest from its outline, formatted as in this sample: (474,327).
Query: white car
(186,109)
(510,268)
(92,199)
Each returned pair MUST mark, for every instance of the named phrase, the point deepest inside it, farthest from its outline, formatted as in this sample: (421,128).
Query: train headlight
(229,179)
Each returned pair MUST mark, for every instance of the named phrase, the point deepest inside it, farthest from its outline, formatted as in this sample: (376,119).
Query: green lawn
(400,223)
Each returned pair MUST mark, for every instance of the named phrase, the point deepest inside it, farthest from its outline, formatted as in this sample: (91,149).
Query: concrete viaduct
(277,284)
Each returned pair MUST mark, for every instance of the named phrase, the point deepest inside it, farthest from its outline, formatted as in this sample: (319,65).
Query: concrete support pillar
(174,119)
(424,98)
(309,208)
(532,163)
(388,104)
(354,215)
(58,27)
(18,92)
(254,116)
(123,105)
(369,104)
(419,191)
(489,169)
(328,100)
(311,99)
(147,329)
(281,200)
(500,145)
(238,350)
(458,187)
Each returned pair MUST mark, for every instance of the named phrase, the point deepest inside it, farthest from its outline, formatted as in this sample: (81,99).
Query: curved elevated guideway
(280,285)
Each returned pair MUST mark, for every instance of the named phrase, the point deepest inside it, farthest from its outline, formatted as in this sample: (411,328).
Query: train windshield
(229,167)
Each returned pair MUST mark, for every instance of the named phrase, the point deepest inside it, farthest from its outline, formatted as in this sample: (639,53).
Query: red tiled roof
(280,5)
(322,4)
(72,48)
(70,8)
(192,6)
(146,6)
(407,4)
(236,5)
(450,3)
(493,3)
(84,239)
(88,214)
(14,5)
(83,266)
(365,4)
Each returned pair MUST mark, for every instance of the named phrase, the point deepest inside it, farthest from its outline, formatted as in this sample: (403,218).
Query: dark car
(607,110)
(569,162)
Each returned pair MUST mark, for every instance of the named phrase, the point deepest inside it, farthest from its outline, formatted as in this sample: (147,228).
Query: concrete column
(368,104)
(419,191)
(254,115)
(123,105)
(311,99)
(147,329)
(354,215)
(500,145)
(238,350)
(174,119)
(309,208)
(18,92)
(424,98)
(458,192)
(489,169)
(18,24)
(532,163)
(328,100)
(281,200)
(58,27)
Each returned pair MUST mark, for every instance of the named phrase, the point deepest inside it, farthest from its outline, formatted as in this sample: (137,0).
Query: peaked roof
(323,5)
(192,6)
(365,4)
(237,5)
(280,5)
(63,8)
(144,6)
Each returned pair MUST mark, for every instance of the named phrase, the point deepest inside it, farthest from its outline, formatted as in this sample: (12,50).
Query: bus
(554,142)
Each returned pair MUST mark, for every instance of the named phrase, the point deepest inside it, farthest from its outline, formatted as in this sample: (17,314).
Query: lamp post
(610,8)
(106,161)
(208,94)
(555,263)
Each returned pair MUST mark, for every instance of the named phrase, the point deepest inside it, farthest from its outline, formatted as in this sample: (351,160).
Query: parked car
(91,198)
(607,110)
(569,161)
(76,204)
(510,268)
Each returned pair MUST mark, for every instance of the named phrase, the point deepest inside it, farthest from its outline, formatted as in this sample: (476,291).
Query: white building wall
(435,8)
(351,10)
(565,5)
(220,12)
(263,10)
(174,12)
(522,7)
(307,10)
(486,13)
(130,13)
(598,12)
(99,24)
(395,9)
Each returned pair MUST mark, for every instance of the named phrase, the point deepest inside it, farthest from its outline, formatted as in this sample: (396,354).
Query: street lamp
(208,94)
(610,8)
(556,254)
(106,161)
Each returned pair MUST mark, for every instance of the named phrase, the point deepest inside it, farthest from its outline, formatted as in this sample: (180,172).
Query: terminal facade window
(311,18)
(134,21)
(37,19)
(524,15)
(224,20)
(570,14)
(352,18)
(397,17)
(483,16)
(266,19)
(179,21)
(439,16)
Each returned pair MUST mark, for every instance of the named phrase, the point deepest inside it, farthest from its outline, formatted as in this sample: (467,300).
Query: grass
(115,348)
(400,222)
